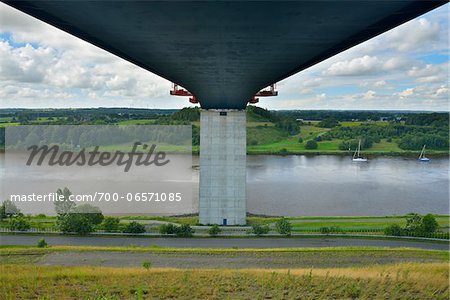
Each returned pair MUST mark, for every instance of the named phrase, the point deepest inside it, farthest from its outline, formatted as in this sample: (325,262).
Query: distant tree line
(410,137)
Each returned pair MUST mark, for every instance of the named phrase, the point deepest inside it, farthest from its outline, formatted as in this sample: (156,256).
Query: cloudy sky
(405,68)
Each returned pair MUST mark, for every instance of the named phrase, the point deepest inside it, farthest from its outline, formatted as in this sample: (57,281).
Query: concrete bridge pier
(222,167)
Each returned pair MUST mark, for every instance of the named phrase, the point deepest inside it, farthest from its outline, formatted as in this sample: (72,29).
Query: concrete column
(222,167)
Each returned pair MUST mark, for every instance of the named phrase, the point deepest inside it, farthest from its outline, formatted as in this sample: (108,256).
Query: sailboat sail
(422,156)
(357,155)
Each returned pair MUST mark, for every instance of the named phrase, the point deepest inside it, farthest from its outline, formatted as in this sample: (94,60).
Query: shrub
(283,227)
(429,224)
(184,230)
(146,264)
(393,229)
(300,140)
(111,224)
(284,151)
(77,223)
(325,230)
(19,224)
(260,230)
(214,230)
(318,138)
(311,144)
(168,229)
(42,243)
(134,227)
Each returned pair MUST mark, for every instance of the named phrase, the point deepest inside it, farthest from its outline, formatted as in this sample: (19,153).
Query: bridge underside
(223,53)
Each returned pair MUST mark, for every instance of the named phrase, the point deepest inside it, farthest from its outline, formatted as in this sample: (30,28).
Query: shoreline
(404,154)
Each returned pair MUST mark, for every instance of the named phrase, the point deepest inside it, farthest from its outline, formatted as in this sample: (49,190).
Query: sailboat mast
(422,152)
(359,148)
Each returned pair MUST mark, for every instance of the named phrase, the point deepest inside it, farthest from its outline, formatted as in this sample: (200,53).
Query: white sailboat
(422,156)
(357,155)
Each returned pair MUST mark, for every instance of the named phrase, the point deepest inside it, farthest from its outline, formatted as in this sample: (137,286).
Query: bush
(318,138)
(111,224)
(146,264)
(393,229)
(214,230)
(134,227)
(311,144)
(260,230)
(168,229)
(284,151)
(325,230)
(184,231)
(429,224)
(19,224)
(283,227)
(42,243)
(77,223)
(300,140)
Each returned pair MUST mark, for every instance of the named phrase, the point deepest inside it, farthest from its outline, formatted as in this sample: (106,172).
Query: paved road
(216,242)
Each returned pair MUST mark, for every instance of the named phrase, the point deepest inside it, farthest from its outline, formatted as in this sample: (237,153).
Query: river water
(335,186)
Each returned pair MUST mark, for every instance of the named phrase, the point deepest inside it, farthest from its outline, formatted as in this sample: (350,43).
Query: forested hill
(274,132)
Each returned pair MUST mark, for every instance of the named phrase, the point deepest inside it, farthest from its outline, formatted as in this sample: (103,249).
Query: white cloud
(56,69)
(366,65)
(413,35)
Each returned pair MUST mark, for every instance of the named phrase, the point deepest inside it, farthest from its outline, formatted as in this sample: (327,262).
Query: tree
(2,212)
(19,224)
(393,229)
(283,227)
(110,224)
(429,224)
(311,144)
(214,230)
(75,223)
(64,206)
(134,227)
(413,222)
(300,140)
(93,213)
(328,123)
(9,209)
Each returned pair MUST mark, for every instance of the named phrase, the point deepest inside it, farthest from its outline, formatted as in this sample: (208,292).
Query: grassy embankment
(374,224)
(414,274)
